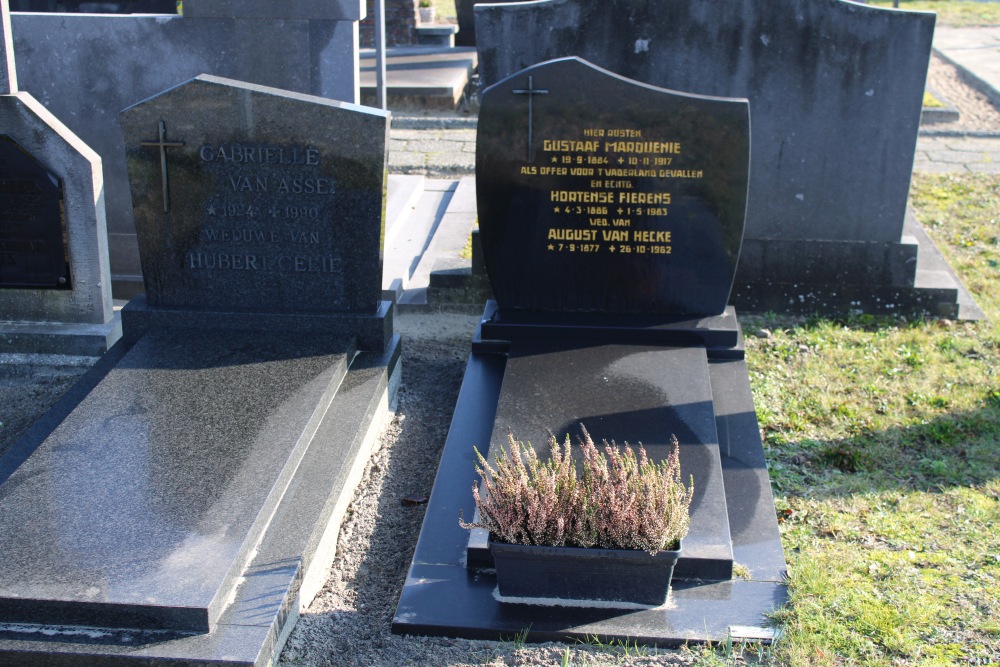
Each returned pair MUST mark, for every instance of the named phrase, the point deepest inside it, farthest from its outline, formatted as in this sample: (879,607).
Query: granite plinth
(720,334)
(289,562)
(442,597)
(372,330)
(628,394)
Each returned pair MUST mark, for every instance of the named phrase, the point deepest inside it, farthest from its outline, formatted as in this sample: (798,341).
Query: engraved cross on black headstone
(163,145)
(531,91)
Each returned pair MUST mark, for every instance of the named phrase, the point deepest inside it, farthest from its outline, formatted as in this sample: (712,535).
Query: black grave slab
(442,596)
(32,234)
(626,393)
(589,182)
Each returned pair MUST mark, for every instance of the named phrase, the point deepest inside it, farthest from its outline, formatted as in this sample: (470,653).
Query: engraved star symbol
(211,209)
(556,210)
(551,247)
(555,159)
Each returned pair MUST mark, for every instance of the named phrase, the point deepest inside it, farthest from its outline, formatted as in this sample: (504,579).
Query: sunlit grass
(883,442)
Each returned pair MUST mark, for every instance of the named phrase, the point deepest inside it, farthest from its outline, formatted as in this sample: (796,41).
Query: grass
(883,441)
(957,13)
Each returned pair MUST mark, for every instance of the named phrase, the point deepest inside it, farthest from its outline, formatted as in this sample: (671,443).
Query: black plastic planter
(573,573)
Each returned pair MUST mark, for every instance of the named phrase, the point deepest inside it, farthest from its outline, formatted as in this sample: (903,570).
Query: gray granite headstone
(242,205)
(55,283)
(835,89)
(86,68)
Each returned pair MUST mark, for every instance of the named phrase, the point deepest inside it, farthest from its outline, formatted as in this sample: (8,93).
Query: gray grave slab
(87,68)
(835,90)
(185,497)
(145,517)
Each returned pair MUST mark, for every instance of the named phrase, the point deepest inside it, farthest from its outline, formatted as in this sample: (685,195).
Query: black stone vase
(608,576)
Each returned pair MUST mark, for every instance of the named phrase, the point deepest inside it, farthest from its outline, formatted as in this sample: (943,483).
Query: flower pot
(573,573)
(426,14)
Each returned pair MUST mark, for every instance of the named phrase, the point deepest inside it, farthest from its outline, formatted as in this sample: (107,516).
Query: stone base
(83,340)
(182,502)
(442,596)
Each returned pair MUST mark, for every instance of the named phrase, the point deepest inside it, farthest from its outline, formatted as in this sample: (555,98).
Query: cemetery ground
(882,443)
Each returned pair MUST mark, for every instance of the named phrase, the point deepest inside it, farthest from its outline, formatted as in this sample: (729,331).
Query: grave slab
(621,327)
(185,497)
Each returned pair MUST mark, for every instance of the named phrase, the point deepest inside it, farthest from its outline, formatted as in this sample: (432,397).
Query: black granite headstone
(32,234)
(600,194)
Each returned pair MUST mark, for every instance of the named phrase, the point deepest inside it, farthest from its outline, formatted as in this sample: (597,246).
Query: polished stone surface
(829,175)
(285,567)
(442,597)
(597,193)
(242,204)
(720,334)
(142,507)
(627,394)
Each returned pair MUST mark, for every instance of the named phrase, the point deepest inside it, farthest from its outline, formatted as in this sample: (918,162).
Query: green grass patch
(958,13)
(883,443)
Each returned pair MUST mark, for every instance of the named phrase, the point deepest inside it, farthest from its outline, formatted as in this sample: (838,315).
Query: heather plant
(619,499)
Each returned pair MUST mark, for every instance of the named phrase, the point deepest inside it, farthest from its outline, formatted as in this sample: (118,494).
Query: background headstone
(87,68)
(835,89)
(598,194)
(55,283)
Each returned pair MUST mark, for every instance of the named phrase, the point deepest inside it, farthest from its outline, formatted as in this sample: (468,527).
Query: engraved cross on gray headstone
(8,72)
(163,145)
(530,91)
